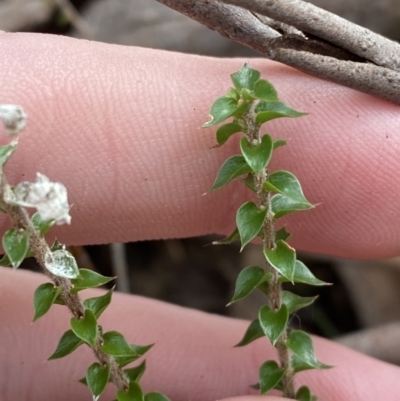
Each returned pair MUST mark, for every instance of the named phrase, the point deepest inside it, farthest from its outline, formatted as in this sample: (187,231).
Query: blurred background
(366,318)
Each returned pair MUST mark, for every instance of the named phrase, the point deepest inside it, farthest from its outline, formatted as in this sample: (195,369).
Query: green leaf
(6,151)
(253,332)
(264,90)
(61,263)
(249,221)
(135,374)
(155,396)
(249,182)
(69,342)
(282,258)
(16,245)
(294,302)
(141,349)
(232,237)
(97,378)
(301,345)
(116,345)
(303,275)
(86,327)
(222,108)
(272,322)
(44,298)
(257,156)
(224,132)
(99,304)
(233,93)
(126,360)
(248,280)
(267,111)
(282,205)
(42,226)
(245,78)
(89,279)
(286,184)
(232,168)
(282,234)
(270,375)
(304,394)
(279,142)
(134,393)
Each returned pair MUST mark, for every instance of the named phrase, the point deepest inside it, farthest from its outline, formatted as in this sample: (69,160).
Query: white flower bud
(49,198)
(14,118)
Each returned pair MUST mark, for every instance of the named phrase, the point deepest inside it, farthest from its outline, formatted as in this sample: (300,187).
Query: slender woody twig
(326,46)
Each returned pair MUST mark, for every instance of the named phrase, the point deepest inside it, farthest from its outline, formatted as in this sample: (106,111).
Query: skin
(119,126)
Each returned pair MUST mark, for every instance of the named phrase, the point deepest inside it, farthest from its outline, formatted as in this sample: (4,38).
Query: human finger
(193,357)
(119,126)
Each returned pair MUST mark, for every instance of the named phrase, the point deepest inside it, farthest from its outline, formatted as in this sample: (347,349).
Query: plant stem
(40,249)
(274,286)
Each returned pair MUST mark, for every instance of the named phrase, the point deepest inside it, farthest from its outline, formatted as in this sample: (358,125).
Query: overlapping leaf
(283,259)
(273,322)
(270,375)
(257,156)
(86,328)
(89,279)
(16,245)
(267,111)
(249,221)
(253,332)
(44,297)
(233,167)
(248,280)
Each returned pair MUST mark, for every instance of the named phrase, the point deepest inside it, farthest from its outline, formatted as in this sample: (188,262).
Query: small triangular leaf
(126,360)
(303,275)
(99,304)
(282,234)
(222,108)
(155,396)
(69,342)
(44,298)
(89,279)
(270,375)
(282,258)
(97,378)
(61,263)
(232,237)
(267,111)
(279,142)
(294,302)
(16,245)
(116,345)
(264,90)
(281,205)
(134,393)
(224,132)
(42,226)
(253,332)
(245,78)
(86,327)
(248,280)
(303,394)
(272,322)
(301,345)
(249,182)
(286,184)
(257,156)
(141,349)
(135,374)
(6,151)
(249,221)
(233,167)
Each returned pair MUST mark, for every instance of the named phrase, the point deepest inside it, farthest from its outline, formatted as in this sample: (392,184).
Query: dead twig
(325,46)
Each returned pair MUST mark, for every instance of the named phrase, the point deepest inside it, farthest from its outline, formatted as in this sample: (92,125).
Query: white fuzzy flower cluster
(49,198)
(14,118)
